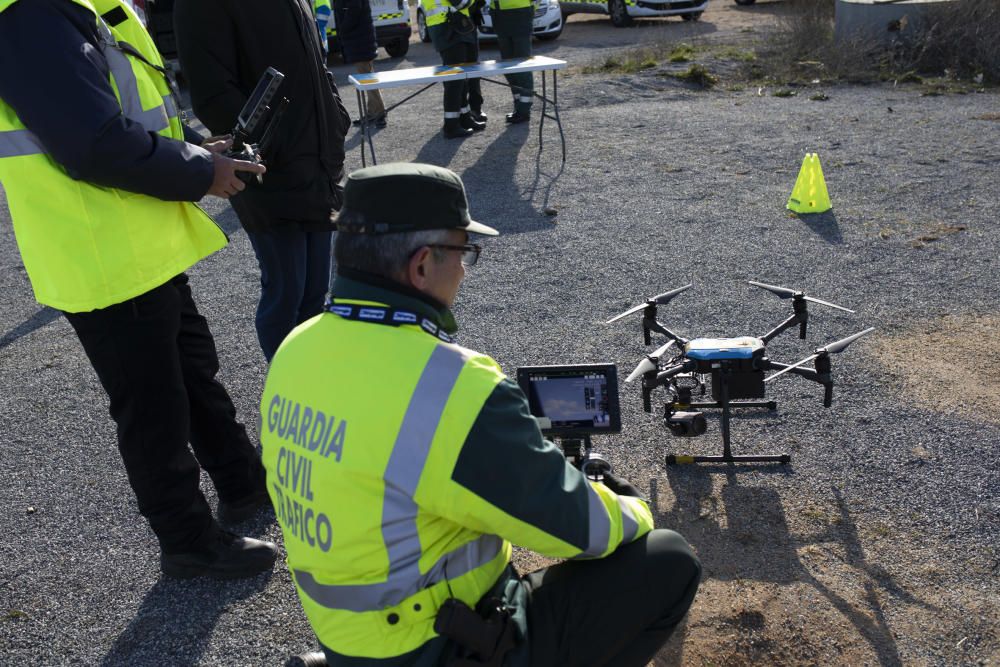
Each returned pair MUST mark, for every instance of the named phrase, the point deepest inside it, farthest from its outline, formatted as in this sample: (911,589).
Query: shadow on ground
(176,620)
(741,535)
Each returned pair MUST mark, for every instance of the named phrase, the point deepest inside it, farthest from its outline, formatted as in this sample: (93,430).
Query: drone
(734,367)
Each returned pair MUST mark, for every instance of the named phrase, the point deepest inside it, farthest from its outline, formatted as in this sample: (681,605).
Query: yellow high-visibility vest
(85,246)
(361,427)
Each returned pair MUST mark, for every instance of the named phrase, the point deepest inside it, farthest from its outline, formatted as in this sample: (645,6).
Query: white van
(623,11)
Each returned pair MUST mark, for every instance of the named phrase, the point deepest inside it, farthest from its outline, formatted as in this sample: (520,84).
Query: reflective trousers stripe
(399,510)
(16,143)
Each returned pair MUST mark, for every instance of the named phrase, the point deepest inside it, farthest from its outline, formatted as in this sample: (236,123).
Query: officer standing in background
(456,38)
(99,180)
(402,467)
(224,48)
(512,21)
(358,46)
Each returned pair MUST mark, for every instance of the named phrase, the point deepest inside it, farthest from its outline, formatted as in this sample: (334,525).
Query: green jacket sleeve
(526,492)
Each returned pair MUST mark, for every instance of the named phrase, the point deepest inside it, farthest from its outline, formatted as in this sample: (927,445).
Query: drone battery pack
(742,383)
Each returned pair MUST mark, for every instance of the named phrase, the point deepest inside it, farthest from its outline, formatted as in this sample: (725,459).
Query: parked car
(623,11)
(392,27)
(547,25)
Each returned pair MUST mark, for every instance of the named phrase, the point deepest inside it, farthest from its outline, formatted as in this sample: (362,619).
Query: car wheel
(397,48)
(619,14)
(745,2)
(425,35)
(693,16)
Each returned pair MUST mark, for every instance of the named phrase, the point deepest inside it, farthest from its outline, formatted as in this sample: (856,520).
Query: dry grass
(957,41)
(948,365)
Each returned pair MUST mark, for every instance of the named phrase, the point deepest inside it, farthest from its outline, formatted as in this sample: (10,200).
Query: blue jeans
(294,278)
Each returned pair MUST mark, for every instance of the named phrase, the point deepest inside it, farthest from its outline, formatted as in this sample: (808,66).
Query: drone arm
(664,376)
(650,324)
(651,380)
(800,317)
(820,376)
(807,373)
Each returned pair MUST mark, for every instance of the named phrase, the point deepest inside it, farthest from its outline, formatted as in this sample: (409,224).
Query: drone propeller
(832,348)
(785,293)
(660,299)
(650,362)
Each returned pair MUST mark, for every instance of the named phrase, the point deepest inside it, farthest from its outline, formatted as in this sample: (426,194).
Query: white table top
(437,73)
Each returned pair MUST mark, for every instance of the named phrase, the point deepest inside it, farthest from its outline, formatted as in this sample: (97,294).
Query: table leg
(364,124)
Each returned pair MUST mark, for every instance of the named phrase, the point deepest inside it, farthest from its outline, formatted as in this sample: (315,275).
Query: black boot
(238,510)
(519,116)
(225,556)
(478,115)
(453,129)
(467,121)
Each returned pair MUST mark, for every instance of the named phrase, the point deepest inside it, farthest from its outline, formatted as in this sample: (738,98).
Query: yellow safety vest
(85,246)
(436,11)
(512,4)
(361,427)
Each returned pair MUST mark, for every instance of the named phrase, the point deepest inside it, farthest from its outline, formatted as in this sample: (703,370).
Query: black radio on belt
(485,635)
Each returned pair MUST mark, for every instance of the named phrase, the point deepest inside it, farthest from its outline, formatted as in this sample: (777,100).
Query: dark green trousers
(459,96)
(513,28)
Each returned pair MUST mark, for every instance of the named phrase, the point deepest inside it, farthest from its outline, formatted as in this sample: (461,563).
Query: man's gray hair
(386,255)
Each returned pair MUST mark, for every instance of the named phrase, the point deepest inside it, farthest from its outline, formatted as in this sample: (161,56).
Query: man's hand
(620,486)
(220,143)
(226,183)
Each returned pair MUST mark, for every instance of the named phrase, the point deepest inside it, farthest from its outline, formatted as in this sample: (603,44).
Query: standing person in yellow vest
(512,21)
(402,467)
(456,39)
(99,180)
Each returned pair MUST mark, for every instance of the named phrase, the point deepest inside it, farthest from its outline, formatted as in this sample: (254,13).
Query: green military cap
(406,197)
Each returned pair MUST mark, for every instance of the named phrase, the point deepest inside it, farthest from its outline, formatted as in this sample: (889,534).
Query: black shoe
(228,556)
(478,115)
(240,509)
(378,121)
(518,117)
(467,121)
(453,129)
(314,659)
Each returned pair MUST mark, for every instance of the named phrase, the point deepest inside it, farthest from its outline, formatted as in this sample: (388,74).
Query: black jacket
(355,30)
(224,47)
(56,42)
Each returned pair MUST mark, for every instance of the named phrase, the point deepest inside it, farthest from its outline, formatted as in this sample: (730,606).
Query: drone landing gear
(727,454)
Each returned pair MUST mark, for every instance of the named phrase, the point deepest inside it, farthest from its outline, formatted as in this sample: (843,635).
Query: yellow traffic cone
(809,194)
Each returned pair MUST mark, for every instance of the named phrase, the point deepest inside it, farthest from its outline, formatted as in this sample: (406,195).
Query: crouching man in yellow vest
(99,180)
(402,467)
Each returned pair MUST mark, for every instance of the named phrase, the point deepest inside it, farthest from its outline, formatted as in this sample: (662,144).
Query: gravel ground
(878,544)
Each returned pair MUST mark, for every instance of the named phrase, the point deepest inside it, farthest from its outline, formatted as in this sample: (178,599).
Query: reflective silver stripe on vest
(169,107)
(152,120)
(16,143)
(629,525)
(399,511)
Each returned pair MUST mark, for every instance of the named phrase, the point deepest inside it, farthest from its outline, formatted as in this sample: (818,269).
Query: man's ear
(417,268)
